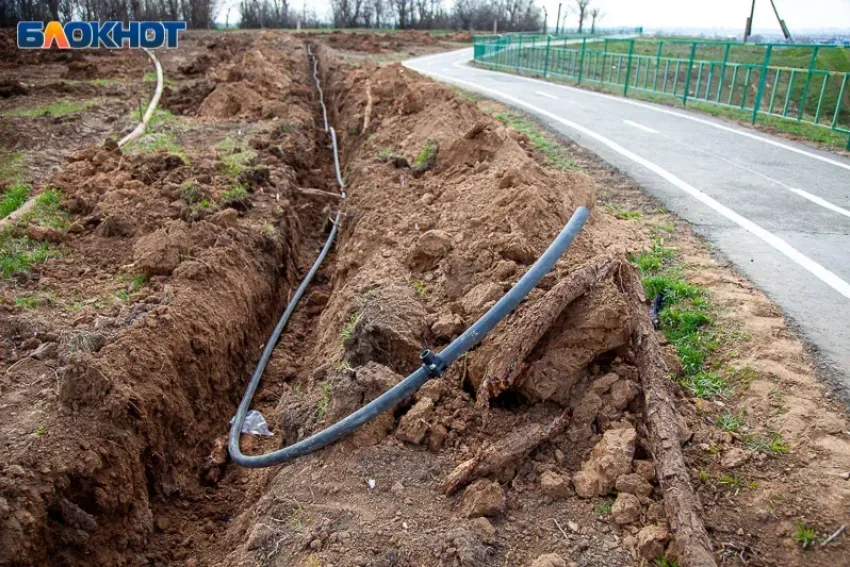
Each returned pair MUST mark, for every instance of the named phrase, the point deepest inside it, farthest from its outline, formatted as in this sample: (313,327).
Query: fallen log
(511,449)
(684,511)
(508,363)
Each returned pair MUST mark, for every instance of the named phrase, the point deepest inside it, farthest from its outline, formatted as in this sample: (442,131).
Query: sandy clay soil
(147,281)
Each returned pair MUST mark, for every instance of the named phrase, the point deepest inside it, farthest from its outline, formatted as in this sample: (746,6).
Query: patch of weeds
(773,443)
(19,254)
(26,301)
(734,483)
(804,535)
(298,518)
(663,561)
(190,192)
(54,109)
(622,214)
(74,306)
(420,289)
(554,152)
(268,229)
(652,261)
(15,196)
(703,476)
(342,365)
(777,401)
(138,283)
(236,194)
(604,508)
(348,328)
(47,210)
(667,227)
(159,117)
(122,295)
(157,142)
(728,422)
(386,154)
(203,206)
(706,385)
(426,155)
(10,166)
(41,431)
(150,77)
(233,164)
(324,402)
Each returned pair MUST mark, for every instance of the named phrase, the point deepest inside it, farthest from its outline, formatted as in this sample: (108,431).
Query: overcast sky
(729,14)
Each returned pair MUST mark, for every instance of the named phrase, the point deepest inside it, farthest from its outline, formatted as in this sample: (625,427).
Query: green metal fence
(809,83)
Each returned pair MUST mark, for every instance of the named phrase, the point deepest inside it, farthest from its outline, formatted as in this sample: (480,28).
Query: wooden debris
(508,363)
(683,508)
(508,450)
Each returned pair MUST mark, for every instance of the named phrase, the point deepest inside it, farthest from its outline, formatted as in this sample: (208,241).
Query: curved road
(778,210)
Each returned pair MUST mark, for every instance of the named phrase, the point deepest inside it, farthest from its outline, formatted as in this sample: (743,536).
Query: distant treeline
(508,15)
(196,13)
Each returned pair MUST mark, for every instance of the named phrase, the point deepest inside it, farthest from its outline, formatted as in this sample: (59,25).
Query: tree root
(510,449)
(367,114)
(683,508)
(508,362)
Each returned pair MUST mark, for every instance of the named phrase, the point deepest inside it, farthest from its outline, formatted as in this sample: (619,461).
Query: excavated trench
(446,210)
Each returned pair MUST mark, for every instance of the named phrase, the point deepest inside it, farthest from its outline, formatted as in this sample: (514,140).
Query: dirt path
(148,280)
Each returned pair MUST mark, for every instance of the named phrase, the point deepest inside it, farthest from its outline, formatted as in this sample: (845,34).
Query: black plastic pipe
(433,364)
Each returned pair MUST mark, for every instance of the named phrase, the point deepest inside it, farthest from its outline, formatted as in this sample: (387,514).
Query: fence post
(690,68)
(657,65)
(762,82)
(812,63)
(518,53)
(546,60)
(629,67)
(581,61)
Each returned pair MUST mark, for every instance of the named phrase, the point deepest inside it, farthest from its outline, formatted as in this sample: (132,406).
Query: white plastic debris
(255,424)
(371,483)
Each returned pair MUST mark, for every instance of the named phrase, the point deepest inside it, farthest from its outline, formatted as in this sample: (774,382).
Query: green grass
(664,562)
(324,402)
(55,109)
(19,254)
(41,431)
(150,77)
(386,154)
(685,320)
(554,153)
(734,483)
(426,155)
(122,295)
(235,194)
(15,196)
(159,117)
(190,193)
(138,283)
(804,535)
(728,422)
(348,328)
(26,301)
(203,206)
(774,443)
(47,210)
(156,142)
(604,508)
(623,214)
(420,289)
(11,164)
(233,164)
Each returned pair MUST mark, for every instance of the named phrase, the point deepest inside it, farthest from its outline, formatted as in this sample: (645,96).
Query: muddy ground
(159,270)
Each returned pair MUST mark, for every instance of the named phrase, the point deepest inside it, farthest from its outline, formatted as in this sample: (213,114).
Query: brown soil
(115,395)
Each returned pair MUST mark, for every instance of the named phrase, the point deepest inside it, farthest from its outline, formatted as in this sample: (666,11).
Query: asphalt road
(778,210)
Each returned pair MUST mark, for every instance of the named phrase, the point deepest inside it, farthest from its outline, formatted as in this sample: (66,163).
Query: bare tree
(582,13)
(595,14)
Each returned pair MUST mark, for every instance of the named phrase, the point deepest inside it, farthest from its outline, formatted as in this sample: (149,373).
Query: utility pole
(558,20)
(782,25)
(748,30)
(545,20)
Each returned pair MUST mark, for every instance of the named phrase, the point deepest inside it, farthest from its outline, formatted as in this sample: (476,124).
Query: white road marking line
(768,141)
(641,126)
(805,194)
(547,95)
(823,274)
(818,200)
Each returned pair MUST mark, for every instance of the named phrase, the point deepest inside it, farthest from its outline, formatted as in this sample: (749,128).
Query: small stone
(651,540)
(483,527)
(397,488)
(734,457)
(316,544)
(483,498)
(645,469)
(554,485)
(549,560)
(431,247)
(447,326)
(626,509)
(740,531)
(413,425)
(633,483)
